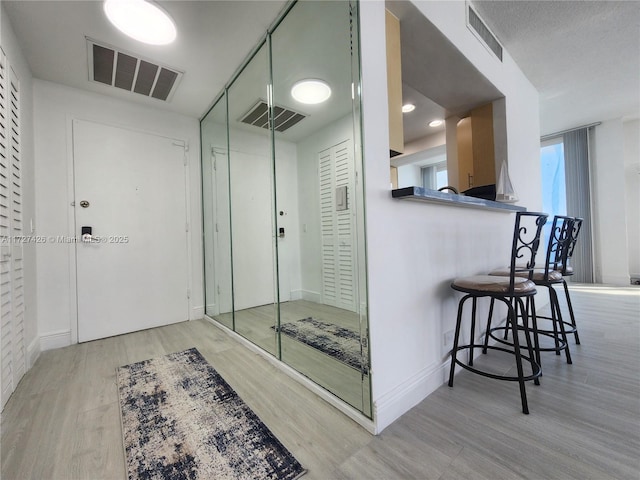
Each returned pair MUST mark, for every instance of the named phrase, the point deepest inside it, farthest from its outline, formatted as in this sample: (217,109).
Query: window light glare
(435,123)
(311,91)
(409,107)
(142,20)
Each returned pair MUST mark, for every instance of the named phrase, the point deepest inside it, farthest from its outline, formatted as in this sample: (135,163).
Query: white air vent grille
(128,71)
(284,118)
(477,26)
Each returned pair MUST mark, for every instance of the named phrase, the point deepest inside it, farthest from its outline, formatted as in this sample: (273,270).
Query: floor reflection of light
(606,289)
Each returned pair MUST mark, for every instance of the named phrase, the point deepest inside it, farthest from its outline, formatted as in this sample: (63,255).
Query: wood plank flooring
(63,420)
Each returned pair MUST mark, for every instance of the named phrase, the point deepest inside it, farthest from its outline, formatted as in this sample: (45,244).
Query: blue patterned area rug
(338,342)
(182,421)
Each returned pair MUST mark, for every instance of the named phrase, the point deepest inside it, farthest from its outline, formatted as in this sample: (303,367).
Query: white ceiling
(213,39)
(583,57)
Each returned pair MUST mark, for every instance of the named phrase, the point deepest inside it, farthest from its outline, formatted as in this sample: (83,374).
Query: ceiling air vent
(128,71)
(284,118)
(477,26)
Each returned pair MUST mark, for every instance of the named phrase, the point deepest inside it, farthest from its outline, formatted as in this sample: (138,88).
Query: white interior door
(134,274)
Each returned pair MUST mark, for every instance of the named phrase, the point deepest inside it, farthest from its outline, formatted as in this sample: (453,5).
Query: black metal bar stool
(548,276)
(510,290)
(567,270)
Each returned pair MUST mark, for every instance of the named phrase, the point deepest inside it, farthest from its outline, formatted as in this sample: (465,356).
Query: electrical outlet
(448,337)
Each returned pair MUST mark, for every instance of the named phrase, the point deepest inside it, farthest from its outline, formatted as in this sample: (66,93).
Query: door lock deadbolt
(84,203)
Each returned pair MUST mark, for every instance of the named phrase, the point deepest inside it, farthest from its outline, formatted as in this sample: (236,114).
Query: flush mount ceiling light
(311,91)
(409,107)
(435,123)
(141,20)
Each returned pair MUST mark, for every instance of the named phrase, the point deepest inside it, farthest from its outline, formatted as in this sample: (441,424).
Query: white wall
(415,249)
(55,107)
(421,144)
(632,191)
(17,61)
(609,205)
(409,176)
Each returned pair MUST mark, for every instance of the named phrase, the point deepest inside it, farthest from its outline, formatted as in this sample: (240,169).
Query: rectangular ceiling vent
(127,71)
(284,118)
(480,30)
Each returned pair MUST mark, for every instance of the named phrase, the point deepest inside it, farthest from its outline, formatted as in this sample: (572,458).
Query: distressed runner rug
(181,420)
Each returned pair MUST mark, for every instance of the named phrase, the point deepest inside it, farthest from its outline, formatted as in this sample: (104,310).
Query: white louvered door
(337,227)
(13,349)
(6,333)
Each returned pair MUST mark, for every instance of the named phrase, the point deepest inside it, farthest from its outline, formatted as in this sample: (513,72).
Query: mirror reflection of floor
(256,324)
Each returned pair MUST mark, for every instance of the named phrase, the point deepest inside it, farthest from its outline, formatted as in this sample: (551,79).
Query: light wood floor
(62,421)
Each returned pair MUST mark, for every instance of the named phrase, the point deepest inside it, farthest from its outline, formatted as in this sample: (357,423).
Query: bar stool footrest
(537,372)
(569,327)
(546,333)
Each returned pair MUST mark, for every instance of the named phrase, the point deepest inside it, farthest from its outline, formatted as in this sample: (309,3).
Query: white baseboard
(315,297)
(59,339)
(33,352)
(296,295)
(406,395)
(618,280)
(197,313)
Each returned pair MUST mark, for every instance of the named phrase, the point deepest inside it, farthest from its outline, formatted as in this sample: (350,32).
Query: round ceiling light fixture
(409,107)
(435,123)
(142,20)
(311,91)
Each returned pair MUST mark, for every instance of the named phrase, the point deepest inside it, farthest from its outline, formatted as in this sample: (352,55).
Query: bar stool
(510,290)
(549,276)
(567,270)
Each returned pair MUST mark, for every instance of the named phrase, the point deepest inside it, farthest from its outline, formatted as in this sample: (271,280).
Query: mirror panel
(216,214)
(252,204)
(317,201)
(283,203)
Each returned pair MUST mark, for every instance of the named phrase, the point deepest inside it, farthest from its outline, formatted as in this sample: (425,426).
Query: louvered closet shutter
(12,353)
(6,332)
(17,229)
(337,227)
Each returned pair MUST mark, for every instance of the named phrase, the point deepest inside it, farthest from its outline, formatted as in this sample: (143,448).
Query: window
(554,191)
(434,176)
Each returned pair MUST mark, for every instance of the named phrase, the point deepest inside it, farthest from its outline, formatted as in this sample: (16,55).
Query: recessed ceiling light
(409,107)
(141,20)
(435,123)
(311,91)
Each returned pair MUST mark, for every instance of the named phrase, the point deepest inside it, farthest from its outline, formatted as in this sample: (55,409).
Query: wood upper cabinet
(394,84)
(465,154)
(476,149)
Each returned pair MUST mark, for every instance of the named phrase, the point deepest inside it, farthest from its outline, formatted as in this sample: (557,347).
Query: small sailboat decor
(504,189)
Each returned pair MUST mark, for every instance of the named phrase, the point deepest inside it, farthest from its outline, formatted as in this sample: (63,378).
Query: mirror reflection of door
(251,196)
(216,215)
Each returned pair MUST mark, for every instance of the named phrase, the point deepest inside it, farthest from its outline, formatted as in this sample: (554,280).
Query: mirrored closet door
(282,187)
